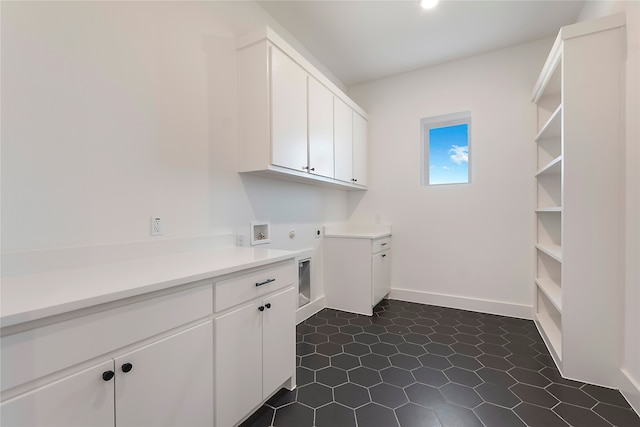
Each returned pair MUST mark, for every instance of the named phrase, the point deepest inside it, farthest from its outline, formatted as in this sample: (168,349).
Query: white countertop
(30,297)
(371,231)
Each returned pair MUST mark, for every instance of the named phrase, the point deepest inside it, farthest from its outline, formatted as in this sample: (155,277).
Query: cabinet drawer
(380,244)
(34,353)
(237,290)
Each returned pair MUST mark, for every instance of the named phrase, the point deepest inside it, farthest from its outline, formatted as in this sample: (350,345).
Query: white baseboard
(308,310)
(630,389)
(463,303)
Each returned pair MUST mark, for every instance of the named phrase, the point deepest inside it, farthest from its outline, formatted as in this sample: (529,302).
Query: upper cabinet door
(359,150)
(320,129)
(288,112)
(343,134)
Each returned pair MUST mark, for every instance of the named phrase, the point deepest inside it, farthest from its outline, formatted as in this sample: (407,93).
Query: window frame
(445,120)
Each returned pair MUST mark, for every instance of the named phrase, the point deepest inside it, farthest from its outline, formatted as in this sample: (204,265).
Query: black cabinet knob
(313,169)
(268,305)
(107,375)
(127,367)
(261,308)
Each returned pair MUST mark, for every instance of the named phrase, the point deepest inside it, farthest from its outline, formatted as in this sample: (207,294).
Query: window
(445,149)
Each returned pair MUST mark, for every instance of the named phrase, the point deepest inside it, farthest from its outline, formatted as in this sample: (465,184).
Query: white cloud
(446,168)
(459,154)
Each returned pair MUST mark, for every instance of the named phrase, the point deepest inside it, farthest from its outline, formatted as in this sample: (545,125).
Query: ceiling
(360,41)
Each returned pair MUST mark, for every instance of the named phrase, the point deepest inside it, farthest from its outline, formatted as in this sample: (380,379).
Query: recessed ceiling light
(428,4)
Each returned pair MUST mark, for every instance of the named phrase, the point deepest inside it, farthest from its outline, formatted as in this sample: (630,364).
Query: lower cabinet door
(381,275)
(278,340)
(238,363)
(167,383)
(83,399)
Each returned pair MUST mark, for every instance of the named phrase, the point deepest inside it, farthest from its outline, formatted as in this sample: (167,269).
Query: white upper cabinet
(288,126)
(359,150)
(343,122)
(288,112)
(320,129)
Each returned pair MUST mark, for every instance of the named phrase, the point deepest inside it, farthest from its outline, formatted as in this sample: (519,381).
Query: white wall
(116,111)
(458,244)
(631,363)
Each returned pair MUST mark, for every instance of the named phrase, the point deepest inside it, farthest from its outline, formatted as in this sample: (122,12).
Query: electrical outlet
(156,226)
(239,240)
(318,233)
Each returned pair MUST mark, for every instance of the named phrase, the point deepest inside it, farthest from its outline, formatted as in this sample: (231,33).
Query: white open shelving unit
(578,284)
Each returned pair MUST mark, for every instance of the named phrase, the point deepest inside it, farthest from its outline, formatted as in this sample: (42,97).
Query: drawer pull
(265,282)
(107,375)
(127,367)
(261,308)
(383,244)
(268,305)
(384,255)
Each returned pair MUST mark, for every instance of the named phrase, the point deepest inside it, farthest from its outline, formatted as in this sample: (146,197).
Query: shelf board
(554,251)
(553,167)
(552,128)
(550,209)
(550,333)
(551,290)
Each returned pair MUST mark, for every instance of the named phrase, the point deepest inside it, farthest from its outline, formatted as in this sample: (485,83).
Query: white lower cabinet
(254,353)
(278,340)
(381,275)
(204,354)
(80,399)
(166,383)
(357,273)
(140,362)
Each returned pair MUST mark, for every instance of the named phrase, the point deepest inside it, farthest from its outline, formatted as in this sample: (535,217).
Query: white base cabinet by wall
(294,123)
(579,284)
(154,380)
(254,340)
(357,273)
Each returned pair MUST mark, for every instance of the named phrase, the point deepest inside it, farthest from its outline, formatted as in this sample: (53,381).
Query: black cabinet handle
(354,180)
(107,375)
(268,305)
(313,169)
(265,282)
(305,167)
(127,367)
(261,308)
(384,255)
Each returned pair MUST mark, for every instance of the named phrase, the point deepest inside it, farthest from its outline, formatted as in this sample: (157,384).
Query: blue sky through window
(449,154)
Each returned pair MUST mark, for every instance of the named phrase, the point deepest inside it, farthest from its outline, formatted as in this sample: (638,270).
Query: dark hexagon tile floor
(415,365)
